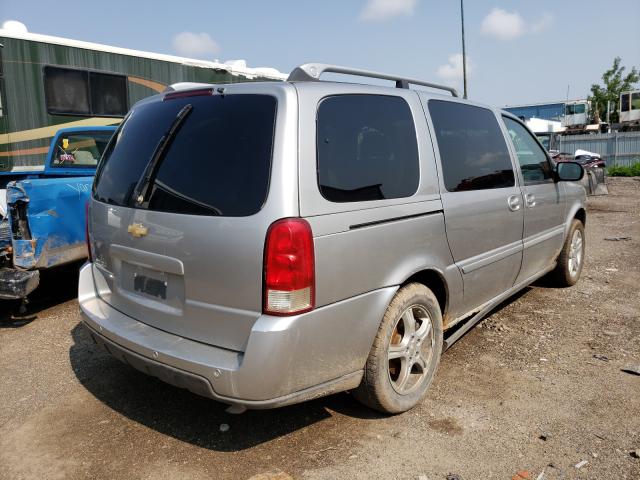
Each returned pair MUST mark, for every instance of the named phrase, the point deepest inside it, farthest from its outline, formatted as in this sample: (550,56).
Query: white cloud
(197,45)
(503,25)
(452,70)
(14,26)
(543,23)
(509,25)
(383,9)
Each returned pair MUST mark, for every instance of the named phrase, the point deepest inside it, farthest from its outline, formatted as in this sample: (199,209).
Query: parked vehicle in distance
(595,178)
(262,244)
(42,222)
(589,159)
(577,115)
(629,111)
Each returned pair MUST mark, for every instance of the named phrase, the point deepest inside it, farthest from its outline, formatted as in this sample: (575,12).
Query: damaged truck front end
(42,216)
(46,229)
(14,283)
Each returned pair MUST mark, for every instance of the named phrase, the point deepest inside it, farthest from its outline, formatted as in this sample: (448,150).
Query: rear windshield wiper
(141,192)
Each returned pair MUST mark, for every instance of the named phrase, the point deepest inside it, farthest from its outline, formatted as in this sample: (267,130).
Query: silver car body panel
(361,246)
(214,287)
(544,208)
(484,234)
(283,354)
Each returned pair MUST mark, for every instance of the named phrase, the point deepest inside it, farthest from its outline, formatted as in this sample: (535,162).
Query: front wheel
(571,258)
(405,352)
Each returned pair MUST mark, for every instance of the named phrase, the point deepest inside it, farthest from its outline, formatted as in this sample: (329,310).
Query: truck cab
(42,217)
(630,110)
(576,115)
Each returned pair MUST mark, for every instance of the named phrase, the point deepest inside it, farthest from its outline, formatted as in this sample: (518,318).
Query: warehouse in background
(47,83)
(545,111)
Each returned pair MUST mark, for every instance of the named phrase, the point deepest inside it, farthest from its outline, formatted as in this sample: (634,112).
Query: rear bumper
(287,359)
(16,284)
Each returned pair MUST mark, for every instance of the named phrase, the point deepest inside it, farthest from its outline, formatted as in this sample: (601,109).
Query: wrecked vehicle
(42,213)
(595,177)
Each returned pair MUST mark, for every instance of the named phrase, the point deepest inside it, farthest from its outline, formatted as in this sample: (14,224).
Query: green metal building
(47,83)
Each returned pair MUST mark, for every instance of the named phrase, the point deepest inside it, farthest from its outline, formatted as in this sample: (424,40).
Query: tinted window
(1,97)
(624,102)
(66,91)
(473,150)
(108,94)
(83,93)
(217,164)
(1,87)
(80,150)
(533,160)
(635,101)
(367,148)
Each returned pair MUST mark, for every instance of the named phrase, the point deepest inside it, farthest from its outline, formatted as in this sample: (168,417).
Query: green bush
(630,171)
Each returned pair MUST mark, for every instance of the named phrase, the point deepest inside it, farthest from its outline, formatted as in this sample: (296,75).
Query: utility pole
(464,53)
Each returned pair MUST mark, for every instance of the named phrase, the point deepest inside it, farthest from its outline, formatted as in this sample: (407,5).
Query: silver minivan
(266,243)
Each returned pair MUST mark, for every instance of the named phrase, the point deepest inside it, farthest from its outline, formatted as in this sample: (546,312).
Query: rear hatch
(178,217)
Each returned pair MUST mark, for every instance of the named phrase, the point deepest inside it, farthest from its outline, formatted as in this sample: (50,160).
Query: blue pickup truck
(42,212)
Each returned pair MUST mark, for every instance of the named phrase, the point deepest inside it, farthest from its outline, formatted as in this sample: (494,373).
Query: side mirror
(569,172)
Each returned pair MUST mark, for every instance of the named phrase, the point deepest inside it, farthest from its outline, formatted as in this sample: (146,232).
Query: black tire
(378,389)
(565,274)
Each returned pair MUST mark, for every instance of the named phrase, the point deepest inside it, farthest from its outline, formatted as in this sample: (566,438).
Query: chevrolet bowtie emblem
(137,230)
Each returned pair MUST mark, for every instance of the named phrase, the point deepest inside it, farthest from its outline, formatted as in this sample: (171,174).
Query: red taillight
(289,269)
(188,93)
(86,230)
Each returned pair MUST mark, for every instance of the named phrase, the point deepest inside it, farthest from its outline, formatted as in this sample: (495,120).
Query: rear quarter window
(366,148)
(218,162)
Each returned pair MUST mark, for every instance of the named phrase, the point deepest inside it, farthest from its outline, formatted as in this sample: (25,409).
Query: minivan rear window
(218,161)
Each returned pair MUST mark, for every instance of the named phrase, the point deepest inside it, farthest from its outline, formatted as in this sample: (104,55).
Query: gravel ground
(535,388)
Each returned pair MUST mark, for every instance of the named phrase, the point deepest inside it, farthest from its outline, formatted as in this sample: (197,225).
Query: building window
(1,97)
(624,102)
(367,148)
(1,86)
(473,150)
(84,93)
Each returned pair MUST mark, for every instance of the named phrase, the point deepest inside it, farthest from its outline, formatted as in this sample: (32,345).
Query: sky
(518,51)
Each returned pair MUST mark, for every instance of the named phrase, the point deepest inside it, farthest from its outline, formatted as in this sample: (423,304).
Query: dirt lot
(537,387)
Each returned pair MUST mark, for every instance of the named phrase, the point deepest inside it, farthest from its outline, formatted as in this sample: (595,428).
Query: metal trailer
(48,83)
(629,111)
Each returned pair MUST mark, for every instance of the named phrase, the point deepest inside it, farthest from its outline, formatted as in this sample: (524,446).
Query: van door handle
(530,200)
(514,202)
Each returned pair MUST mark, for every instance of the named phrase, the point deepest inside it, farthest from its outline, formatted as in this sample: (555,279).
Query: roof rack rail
(310,72)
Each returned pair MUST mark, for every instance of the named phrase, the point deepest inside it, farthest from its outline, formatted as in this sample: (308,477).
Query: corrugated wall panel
(618,148)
